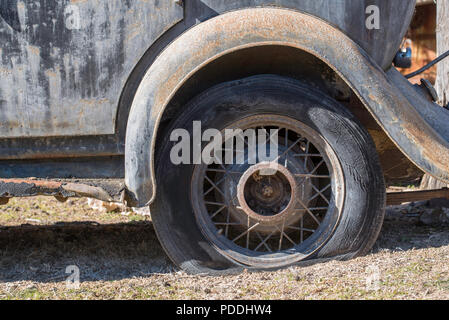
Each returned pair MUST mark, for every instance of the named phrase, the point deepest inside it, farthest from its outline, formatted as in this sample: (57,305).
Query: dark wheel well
(300,65)
(279,60)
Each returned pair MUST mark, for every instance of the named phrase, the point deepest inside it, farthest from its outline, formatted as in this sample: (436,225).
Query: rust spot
(34,50)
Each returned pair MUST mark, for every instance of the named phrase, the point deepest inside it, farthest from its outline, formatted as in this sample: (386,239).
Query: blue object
(403,58)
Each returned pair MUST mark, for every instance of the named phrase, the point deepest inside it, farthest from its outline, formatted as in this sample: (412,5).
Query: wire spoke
(301,228)
(214,185)
(217,212)
(317,166)
(244,233)
(227,224)
(264,241)
(308,175)
(320,192)
(307,152)
(247,235)
(228,217)
(283,234)
(309,211)
(215,203)
(224,171)
(307,155)
(288,149)
(288,238)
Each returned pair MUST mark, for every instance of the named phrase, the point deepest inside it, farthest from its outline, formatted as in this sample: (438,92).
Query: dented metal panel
(64,63)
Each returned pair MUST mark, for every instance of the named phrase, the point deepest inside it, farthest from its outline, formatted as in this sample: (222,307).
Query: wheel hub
(266,193)
(267,198)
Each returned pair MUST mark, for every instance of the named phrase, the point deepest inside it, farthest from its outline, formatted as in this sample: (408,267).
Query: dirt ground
(119,257)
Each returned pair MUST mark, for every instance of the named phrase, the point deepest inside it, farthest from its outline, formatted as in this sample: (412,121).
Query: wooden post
(442,82)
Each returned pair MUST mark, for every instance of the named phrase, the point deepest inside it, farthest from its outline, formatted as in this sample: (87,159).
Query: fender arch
(245,28)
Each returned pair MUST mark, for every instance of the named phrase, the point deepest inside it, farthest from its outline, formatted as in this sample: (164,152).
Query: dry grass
(119,257)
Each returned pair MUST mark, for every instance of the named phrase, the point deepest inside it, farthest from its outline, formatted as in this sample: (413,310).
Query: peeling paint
(65,62)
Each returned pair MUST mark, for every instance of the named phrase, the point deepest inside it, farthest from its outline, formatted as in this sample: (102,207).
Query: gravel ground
(119,257)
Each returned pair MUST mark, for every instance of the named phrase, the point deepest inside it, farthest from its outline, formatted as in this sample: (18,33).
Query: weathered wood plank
(442,83)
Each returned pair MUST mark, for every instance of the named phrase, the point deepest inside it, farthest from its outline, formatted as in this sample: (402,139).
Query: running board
(112,190)
(396,198)
(101,189)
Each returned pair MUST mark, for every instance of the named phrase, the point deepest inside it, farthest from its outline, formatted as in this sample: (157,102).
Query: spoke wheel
(320,196)
(270,214)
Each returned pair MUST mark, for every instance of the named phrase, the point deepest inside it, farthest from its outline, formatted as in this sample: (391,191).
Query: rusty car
(90,92)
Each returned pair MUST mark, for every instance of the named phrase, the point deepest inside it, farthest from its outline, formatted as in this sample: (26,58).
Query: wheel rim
(271,214)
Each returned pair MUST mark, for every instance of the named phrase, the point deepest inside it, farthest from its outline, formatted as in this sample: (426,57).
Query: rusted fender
(272,26)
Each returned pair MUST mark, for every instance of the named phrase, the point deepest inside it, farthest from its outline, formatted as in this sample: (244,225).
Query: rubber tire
(365,196)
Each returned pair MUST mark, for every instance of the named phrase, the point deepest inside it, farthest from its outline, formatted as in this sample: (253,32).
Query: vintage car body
(87,88)
(70,71)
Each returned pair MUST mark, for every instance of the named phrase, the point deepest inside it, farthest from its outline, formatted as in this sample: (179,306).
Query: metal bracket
(396,198)
(430,89)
